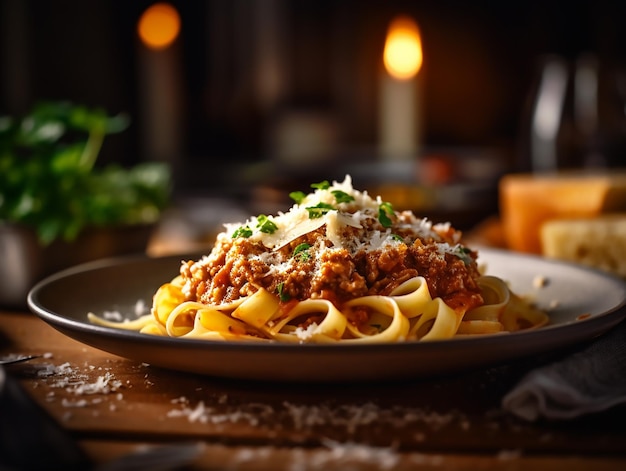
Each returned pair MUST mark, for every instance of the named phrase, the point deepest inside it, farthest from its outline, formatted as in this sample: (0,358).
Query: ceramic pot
(24,260)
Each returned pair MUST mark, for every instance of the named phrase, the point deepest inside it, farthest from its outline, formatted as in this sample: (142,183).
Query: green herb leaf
(464,254)
(317,211)
(301,252)
(342,196)
(264,224)
(297,196)
(243,231)
(284,297)
(384,211)
(321,185)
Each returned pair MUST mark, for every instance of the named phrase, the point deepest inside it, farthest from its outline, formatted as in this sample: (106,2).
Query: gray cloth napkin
(591,380)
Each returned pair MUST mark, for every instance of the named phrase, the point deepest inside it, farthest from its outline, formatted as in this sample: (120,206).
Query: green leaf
(66,160)
(301,252)
(280,289)
(264,224)
(6,124)
(342,196)
(384,211)
(297,196)
(243,231)
(317,211)
(49,230)
(49,180)
(464,254)
(325,185)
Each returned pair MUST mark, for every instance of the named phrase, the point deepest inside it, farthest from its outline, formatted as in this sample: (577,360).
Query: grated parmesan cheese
(103,385)
(305,334)
(297,221)
(79,384)
(351,418)
(540,281)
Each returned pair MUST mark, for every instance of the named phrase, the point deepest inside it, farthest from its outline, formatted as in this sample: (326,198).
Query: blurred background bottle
(575,116)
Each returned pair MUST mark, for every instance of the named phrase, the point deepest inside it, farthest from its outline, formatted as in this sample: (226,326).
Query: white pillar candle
(399,106)
(160,89)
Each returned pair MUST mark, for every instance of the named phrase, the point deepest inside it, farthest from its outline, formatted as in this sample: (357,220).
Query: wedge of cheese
(527,201)
(598,242)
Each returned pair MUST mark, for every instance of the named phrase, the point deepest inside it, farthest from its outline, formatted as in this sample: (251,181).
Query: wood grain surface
(112,405)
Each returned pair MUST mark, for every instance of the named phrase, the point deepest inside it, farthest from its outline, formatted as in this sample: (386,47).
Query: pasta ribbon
(167,297)
(503,311)
(330,329)
(258,309)
(394,326)
(408,313)
(412,296)
(496,296)
(519,314)
(438,321)
(136,324)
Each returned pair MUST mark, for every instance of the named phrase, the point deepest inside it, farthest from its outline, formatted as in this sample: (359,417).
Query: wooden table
(112,405)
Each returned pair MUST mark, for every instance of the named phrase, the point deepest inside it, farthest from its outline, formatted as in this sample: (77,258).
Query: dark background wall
(245,65)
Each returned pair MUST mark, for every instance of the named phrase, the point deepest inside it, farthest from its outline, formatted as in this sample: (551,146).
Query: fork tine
(10,360)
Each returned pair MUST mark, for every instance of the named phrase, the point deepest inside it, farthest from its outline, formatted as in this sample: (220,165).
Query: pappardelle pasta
(339,266)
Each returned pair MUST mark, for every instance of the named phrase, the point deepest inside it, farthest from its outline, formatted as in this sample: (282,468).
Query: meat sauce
(238,267)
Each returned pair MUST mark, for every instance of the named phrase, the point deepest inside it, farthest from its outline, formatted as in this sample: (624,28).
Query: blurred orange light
(403,48)
(159,26)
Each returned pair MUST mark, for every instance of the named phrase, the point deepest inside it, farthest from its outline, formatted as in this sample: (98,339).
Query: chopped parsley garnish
(321,185)
(301,251)
(464,254)
(281,294)
(384,211)
(264,224)
(397,237)
(317,211)
(342,196)
(243,231)
(320,209)
(297,196)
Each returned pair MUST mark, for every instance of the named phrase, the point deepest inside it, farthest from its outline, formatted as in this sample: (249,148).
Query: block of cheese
(598,242)
(528,200)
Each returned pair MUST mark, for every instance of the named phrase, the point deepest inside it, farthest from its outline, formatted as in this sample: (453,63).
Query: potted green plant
(58,207)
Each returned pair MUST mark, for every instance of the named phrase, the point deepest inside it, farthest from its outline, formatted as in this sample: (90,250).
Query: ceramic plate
(582,304)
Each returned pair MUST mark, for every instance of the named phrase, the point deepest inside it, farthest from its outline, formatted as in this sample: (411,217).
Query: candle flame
(159,26)
(403,49)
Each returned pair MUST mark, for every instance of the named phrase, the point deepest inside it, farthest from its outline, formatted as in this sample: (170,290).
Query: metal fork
(12,359)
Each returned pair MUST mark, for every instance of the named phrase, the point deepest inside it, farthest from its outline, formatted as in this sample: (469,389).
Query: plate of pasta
(341,287)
